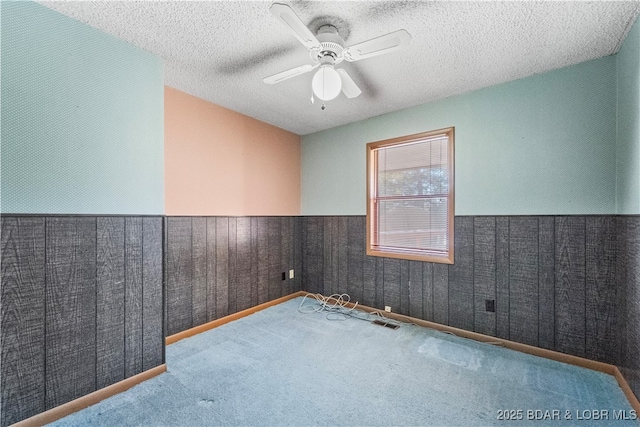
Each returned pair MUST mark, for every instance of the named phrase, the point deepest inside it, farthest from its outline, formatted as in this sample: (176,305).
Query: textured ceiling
(221,50)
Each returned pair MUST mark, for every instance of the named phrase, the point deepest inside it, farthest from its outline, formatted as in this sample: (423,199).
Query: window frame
(372,168)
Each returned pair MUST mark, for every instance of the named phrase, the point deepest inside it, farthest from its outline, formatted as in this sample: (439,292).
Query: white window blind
(410,196)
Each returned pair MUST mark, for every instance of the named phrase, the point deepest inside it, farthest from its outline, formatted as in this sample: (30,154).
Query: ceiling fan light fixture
(326,83)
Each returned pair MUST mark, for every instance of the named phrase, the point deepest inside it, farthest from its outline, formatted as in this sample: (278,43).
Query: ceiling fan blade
(288,17)
(377,46)
(349,87)
(284,75)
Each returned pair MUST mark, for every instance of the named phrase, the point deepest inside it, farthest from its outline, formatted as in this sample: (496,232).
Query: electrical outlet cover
(490,305)
(387,309)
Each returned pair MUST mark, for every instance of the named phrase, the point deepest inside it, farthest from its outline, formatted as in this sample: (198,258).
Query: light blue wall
(82,118)
(540,145)
(628,154)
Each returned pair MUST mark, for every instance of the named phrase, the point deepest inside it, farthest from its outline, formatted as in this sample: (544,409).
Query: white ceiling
(221,50)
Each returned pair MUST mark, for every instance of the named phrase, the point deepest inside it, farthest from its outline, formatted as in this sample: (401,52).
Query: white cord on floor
(337,306)
(339,310)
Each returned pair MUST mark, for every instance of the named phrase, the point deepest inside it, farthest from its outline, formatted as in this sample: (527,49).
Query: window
(410,197)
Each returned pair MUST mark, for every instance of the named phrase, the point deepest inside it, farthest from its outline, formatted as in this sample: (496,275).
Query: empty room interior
(185,184)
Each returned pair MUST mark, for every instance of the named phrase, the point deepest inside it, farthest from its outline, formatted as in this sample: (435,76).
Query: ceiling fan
(327,49)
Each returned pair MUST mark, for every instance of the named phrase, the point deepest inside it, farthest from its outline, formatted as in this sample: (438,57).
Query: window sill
(413,256)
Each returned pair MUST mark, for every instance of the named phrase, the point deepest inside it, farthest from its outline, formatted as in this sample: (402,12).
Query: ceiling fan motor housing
(331,45)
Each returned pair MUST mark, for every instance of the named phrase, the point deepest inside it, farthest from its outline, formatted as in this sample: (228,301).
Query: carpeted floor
(283,367)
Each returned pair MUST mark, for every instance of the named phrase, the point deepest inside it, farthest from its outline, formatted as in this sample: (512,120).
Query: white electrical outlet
(387,309)
(291,274)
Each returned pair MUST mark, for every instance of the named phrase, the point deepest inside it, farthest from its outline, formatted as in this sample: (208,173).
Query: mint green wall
(82,118)
(545,144)
(628,154)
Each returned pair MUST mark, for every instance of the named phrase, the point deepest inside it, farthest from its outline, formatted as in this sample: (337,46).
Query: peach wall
(220,162)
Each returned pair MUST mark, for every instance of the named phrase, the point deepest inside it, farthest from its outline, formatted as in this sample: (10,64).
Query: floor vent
(386,324)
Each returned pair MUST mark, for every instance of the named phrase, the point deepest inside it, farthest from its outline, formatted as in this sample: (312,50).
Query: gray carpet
(282,367)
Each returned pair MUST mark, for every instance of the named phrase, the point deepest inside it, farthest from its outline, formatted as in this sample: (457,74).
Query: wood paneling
(179,275)
(461,299)
(355,257)
(633,293)
(70,338)
(244,280)
(441,293)
(133,297)
(313,254)
(404,287)
(222,268)
(427,291)
(297,253)
(165,277)
(152,334)
(602,327)
(253,263)
(232,271)
(369,280)
(484,273)
(543,272)
(570,285)
(23,318)
(523,280)
(502,277)
(76,292)
(546,282)
(330,247)
(341,255)
(263,260)
(391,278)
(199,268)
(563,283)
(628,267)
(416,289)
(275,261)
(379,298)
(211,269)
(286,258)
(110,301)
(235,263)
